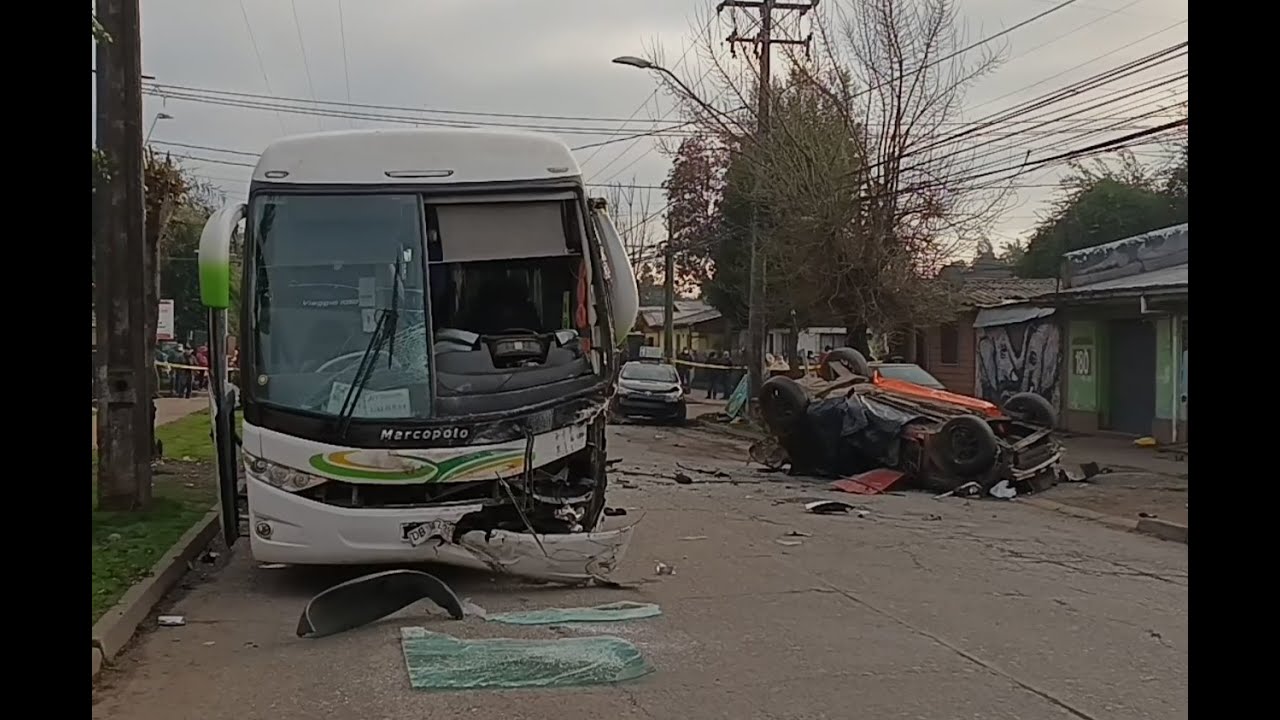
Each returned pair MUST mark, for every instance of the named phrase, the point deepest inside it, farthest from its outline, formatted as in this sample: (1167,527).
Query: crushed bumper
(287,529)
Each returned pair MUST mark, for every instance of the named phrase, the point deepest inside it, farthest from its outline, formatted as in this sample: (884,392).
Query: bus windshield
(327,270)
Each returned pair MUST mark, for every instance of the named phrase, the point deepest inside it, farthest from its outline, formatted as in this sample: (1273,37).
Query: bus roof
(436,155)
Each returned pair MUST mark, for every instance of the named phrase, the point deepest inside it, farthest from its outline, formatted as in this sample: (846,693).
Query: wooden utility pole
(124,452)
(763,41)
(669,296)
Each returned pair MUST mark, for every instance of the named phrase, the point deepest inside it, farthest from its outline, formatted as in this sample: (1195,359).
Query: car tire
(1032,409)
(855,361)
(966,445)
(682,417)
(782,402)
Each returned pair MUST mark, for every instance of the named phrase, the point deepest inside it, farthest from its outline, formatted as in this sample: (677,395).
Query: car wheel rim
(964,445)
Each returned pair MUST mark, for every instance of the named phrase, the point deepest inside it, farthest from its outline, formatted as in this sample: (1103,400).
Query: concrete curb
(115,628)
(1162,529)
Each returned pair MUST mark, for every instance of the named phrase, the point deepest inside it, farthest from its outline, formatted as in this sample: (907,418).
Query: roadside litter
(664,569)
(1003,490)
(834,507)
(967,490)
(609,612)
(171,621)
(442,662)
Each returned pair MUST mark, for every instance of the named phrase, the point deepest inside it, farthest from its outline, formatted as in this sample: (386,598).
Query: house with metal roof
(1124,308)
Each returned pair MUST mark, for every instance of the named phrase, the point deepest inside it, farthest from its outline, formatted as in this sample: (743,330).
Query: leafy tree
(1100,203)
(179,273)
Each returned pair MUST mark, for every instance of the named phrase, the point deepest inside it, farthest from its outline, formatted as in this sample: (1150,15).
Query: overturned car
(850,419)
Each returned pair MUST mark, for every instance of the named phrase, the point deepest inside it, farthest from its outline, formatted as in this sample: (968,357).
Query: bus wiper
(384,333)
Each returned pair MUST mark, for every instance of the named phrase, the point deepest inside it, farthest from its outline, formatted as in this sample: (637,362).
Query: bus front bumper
(284,528)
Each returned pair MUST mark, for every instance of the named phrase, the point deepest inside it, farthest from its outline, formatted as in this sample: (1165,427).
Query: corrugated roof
(1141,237)
(688,312)
(991,292)
(1163,279)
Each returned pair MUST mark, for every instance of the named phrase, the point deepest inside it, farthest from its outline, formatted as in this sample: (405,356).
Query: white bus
(429,322)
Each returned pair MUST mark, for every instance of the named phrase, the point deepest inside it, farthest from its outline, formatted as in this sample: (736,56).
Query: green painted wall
(1084,365)
(1166,379)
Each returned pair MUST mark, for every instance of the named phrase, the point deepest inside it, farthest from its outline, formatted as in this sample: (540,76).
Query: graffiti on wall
(1022,357)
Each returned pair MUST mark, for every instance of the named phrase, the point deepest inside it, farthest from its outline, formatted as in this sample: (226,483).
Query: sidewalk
(167,410)
(1141,482)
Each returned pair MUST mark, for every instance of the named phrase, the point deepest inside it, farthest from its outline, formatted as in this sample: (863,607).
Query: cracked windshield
(339,283)
(742,359)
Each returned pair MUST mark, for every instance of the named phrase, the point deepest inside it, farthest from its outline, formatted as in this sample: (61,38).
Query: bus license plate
(419,533)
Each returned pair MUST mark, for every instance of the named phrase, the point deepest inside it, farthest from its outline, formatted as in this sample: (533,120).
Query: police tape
(201,368)
(712,366)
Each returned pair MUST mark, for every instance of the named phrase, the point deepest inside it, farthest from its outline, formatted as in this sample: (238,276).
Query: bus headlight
(279,476)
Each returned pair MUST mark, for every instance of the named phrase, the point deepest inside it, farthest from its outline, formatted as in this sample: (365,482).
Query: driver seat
(503,306)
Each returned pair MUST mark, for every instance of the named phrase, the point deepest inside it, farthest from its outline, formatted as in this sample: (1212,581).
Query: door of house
(1132,368)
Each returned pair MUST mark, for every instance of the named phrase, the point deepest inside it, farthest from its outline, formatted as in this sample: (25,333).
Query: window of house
(949,344)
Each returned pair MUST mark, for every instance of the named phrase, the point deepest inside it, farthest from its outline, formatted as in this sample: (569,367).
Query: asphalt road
(923,608)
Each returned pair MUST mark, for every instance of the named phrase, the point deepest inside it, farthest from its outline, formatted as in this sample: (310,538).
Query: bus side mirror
(215,256)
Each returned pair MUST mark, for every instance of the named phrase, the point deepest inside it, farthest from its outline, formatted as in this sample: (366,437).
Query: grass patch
(127,545)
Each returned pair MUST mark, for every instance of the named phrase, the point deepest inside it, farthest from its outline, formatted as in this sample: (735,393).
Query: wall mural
(1022,357)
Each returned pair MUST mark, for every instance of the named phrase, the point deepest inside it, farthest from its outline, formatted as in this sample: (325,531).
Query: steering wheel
(516,331)
(326,365)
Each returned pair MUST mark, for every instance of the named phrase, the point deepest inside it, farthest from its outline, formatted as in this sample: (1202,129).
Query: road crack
(1024,684)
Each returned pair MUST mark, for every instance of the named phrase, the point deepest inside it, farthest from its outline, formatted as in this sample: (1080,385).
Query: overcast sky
(551,57)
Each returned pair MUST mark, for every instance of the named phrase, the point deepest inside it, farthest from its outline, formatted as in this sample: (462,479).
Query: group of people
(185,380)
(720,381)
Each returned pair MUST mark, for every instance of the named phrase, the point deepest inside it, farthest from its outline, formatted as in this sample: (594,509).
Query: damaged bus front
(428,321)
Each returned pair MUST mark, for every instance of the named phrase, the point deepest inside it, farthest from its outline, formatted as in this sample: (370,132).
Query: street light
(754,316)
(642,64)
(159,116)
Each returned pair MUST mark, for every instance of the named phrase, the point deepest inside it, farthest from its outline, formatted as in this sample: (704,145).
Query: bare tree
(640,229)
(863,192)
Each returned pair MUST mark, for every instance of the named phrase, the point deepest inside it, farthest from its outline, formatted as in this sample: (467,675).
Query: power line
(967,48)
(346,66)
(306,64)
(194,90)
(643,103)
(377,117)
(205,147)
(253,40)
(1080,65)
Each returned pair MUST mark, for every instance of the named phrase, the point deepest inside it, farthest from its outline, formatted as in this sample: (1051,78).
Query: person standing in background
(188,359)
(727,375)
(712,374)
(202,360)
